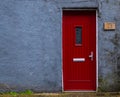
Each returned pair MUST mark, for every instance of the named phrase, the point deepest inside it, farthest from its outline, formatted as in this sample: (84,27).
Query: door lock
(91,56)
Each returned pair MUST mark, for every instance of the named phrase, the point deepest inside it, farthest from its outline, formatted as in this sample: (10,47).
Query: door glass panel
(78,32)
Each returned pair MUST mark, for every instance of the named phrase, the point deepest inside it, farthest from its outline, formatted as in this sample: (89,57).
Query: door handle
(91,55)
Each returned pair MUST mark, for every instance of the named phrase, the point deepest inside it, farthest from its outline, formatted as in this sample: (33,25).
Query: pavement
(77,94)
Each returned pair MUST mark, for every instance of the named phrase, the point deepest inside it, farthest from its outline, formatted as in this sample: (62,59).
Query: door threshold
(89,91)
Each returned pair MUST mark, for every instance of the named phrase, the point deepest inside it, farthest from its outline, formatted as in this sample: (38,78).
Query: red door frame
(96,51)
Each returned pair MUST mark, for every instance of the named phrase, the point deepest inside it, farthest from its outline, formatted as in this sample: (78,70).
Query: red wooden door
(79,50)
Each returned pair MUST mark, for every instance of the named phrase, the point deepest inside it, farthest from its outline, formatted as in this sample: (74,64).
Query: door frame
(71,9)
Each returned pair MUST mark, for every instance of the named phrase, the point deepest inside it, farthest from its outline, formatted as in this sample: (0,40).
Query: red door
(79,50)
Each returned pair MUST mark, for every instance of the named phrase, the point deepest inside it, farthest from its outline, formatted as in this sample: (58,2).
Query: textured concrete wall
(30,44)
(109,46)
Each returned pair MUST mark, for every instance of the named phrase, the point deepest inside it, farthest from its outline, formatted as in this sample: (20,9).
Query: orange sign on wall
(109,26)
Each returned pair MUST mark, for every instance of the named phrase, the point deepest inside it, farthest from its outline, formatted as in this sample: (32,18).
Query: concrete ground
(65,95)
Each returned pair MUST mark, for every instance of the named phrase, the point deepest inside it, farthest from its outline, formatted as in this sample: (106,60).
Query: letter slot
(78,59)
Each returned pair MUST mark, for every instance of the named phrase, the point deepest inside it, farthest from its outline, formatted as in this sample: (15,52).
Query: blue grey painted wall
(30,44)
(108,46)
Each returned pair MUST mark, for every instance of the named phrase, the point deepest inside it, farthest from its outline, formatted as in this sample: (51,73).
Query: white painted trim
(72,9)
(62,49)
(96,50)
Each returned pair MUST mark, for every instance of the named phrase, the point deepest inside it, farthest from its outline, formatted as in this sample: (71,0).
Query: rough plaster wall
(109,44)
(30,43)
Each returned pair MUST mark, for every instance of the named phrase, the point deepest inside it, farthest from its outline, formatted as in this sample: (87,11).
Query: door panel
(79,50)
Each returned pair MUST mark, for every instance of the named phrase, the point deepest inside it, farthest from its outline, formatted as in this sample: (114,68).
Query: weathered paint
(30,44)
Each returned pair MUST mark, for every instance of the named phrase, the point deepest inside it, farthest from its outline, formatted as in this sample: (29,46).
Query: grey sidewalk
(108,94)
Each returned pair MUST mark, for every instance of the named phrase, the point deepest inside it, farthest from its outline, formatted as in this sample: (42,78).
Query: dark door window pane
(78,35)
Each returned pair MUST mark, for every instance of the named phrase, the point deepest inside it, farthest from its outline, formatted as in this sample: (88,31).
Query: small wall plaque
(109,26)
